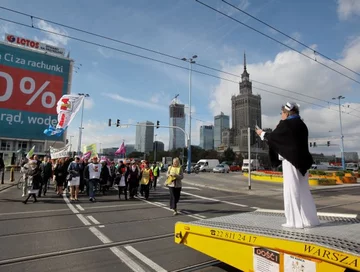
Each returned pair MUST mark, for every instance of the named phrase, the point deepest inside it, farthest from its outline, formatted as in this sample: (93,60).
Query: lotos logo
(65,104)
(10,38)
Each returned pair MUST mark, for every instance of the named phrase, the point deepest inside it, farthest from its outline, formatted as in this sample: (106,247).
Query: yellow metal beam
(240,249)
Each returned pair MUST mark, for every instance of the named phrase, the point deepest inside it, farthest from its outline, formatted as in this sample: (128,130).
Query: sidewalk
(7,183)
(239,183)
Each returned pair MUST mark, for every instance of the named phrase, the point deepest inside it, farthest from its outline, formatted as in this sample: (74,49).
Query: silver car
(222,168)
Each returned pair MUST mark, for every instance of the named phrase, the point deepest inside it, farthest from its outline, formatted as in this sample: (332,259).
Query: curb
(344,215)
(7,187)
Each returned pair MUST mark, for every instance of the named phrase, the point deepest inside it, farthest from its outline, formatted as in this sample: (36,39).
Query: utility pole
(155,149)
(341,132)
(81,122)
(191,61)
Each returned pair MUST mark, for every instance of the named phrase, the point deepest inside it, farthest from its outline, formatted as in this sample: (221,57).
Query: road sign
(31,83)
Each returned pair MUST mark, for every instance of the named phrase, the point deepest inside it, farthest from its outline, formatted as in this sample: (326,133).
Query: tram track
(53,254)
(84,227)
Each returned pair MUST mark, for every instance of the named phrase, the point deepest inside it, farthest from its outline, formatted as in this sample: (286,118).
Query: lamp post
(341,132)
(155,149)
(71,136)
(190,61)
(81,122)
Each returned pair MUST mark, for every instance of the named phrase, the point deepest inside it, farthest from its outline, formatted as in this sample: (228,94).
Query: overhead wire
(153,51)
(291,38)
(150,58)
(277,41)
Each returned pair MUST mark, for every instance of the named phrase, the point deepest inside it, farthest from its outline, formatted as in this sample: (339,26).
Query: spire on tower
(244,61)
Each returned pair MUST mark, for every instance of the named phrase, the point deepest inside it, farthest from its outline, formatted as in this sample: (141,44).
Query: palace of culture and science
(245,112)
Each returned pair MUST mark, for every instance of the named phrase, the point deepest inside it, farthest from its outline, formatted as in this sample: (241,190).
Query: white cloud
(292,71)
(89,103)
(292,43)
(347,8)
(135,102)
(53,39)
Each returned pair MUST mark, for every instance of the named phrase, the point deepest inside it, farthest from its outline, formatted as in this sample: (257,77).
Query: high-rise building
(207,137)
(159,146)
(246,111)
(144,137)
(177,118)
(221,122)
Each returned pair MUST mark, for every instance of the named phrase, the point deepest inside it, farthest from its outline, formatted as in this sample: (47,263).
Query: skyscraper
(246,111)
(207,137)
(221,122)
(177,118)
(144,137)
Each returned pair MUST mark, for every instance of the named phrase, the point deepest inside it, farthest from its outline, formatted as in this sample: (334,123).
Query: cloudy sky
(135,89)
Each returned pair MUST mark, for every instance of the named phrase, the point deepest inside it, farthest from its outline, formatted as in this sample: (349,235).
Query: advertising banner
(60,152)
(34,44)
(31,83)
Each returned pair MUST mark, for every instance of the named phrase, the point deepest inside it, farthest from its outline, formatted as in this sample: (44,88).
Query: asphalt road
(117,235)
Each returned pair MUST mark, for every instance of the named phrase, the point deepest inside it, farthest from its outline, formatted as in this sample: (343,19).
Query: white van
(207,165)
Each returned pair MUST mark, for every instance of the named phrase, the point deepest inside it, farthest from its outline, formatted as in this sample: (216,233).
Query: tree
(229,155)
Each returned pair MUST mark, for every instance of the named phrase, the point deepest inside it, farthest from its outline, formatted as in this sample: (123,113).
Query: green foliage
(340,173)
(317,172)
(229,155)
(327,182)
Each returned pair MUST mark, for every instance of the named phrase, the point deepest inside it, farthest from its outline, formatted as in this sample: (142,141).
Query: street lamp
(190,61)
(71,136)
(341,132)
(81,122)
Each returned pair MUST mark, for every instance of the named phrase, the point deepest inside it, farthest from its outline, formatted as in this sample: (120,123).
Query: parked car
(221,168)
(235,168)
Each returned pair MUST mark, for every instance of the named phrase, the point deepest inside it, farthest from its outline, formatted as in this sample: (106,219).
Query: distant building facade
(221,122)
(144,137)
(177,118)
(159,146)
(207,137)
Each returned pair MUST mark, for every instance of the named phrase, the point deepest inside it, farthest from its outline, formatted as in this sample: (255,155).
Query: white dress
(300,209)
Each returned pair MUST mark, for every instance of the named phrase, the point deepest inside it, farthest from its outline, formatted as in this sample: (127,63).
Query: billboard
(34,44)
(31,83)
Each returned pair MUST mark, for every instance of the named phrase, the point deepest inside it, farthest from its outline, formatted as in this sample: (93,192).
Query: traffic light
(314,144)
(118,122)
(310,144)
(328,143)
(109,122)
(157,124)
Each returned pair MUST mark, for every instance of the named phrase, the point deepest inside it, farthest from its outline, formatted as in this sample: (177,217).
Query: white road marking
(191,188)
(127,260)
(159,203)
(199,215)
(166,208)
(79,207)
(83,219)
(345,215)
(100,235)
(101,226)
(256,208)
(92,219)
(145,259)
(71,206)
(215,200)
